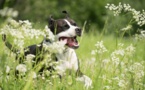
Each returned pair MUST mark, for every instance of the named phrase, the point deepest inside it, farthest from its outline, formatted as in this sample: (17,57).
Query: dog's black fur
(37,49)
(66,30)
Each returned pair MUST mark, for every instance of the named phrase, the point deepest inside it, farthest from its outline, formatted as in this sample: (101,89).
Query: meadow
(113,62)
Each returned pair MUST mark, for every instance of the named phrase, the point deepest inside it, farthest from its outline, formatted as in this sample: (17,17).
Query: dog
(63,29)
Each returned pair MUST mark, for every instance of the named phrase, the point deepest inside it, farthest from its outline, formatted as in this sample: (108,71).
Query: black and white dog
(64,29)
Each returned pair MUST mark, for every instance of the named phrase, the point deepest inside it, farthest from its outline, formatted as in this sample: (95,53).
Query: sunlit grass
(113,62)
(91,68)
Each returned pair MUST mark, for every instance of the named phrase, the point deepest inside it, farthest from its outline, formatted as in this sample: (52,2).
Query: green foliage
(80,10)
(120,65)
(103,74)
(93,11)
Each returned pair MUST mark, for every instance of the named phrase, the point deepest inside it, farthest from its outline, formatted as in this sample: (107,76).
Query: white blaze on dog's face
(70,30)
(69,34)
(67,30)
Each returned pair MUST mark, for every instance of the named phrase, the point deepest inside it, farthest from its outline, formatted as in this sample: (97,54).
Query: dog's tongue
(71,41)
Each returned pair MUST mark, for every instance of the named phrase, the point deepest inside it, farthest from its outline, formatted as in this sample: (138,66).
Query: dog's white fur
(70,32)
(68,59)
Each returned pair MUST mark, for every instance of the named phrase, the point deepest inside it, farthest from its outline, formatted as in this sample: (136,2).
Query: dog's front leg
(83,78)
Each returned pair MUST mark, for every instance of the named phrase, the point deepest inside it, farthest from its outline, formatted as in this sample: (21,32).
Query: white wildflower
(120,45)
(21,68)
(122,83)
(100,48)
(55,76)
(130,50)
(55,47)
(49,34)
(26,23)
(142,33)
(47,73)
(34,75)
(20,31)
(127,28)
(119,52)
(138,16)
(8,12)
(116,79)
(86,80)
(30,57)
(116,9)
(127,7)
(138,71)
(16,34)
(105,61)
(7,69)
(93,52)
(43,76)
(115,59)
(19,43)
(13,23)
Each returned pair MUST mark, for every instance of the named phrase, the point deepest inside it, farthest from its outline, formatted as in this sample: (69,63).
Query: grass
(113,62)
(102,76)
(117,63)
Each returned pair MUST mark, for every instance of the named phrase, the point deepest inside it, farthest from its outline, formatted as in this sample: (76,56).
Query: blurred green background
(92,11)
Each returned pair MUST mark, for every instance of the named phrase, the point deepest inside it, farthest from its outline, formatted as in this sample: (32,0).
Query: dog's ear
(50,20)
(51,23)
(66,14)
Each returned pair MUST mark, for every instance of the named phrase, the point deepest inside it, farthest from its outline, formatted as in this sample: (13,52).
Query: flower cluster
(138,16)
(118,68)
(116,9)
(100,48)
(7,69)
(127,28)
(8,12)
(20,31)
(138,71)
(21,68)
(55,47)
(49,34)
(30,57)
(142,33)
(118,54)
(130,50)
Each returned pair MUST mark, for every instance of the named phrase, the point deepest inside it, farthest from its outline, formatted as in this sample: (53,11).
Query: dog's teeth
(64,40)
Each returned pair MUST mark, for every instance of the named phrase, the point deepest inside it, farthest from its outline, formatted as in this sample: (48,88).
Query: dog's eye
(74,24)
(66,26)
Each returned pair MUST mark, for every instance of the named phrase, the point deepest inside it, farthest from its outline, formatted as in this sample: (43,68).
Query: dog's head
(66,29)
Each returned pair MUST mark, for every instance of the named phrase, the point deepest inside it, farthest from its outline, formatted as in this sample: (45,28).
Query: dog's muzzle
(78,31)
(72,41)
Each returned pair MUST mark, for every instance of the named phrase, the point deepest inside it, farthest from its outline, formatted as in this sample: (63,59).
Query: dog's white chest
(67,61)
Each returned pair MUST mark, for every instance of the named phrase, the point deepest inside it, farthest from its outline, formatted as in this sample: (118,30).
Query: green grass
(94,69)
(117,62)
(118,68)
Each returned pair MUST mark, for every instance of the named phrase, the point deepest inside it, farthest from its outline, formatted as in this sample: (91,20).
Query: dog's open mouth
(70,42)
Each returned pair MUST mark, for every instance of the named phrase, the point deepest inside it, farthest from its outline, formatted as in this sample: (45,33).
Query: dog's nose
(78,31)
